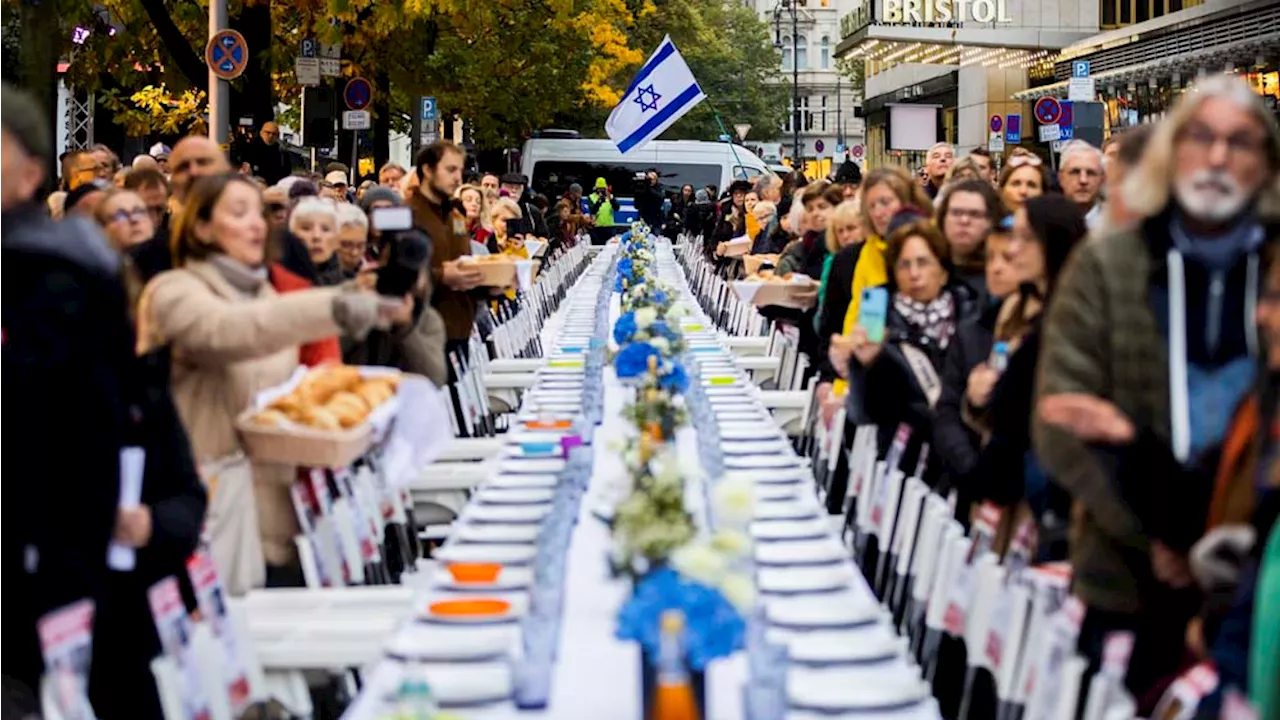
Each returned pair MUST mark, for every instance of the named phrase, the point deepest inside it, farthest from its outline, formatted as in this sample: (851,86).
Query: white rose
(646,317)
(733,502)
(677,311)
(739,591)
(700,563)
(662,345)
(733,543)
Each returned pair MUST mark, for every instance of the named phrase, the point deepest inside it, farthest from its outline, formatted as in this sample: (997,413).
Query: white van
(553,164)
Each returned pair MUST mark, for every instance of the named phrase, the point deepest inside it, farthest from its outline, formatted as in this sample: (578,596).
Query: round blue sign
(996,123)
(358,93)
(1047,110)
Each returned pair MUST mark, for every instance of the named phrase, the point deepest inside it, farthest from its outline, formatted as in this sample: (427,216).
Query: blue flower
(625,267)
(674,380)
(625,236)
(624,328)
(634,359)
(660,328)
(713,628)
(660,298)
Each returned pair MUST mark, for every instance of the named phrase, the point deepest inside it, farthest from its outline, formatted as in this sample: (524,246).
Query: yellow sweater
(753,226)
(871,271)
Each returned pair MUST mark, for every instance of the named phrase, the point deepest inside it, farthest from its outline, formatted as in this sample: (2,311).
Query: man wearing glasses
(1081,176)
(265,155)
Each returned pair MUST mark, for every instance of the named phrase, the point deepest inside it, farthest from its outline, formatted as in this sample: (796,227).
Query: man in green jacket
(1147,351)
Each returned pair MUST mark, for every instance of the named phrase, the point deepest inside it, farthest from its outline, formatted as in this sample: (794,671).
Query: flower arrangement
(653,522)
(713,627)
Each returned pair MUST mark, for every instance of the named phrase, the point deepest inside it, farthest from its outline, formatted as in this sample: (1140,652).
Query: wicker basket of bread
(792,290)
(495,270)
(325,418)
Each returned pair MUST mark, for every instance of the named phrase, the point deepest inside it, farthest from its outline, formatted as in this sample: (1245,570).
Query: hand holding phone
(873,311)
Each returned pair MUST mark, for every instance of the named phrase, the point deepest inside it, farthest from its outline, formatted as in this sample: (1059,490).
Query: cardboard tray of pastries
(752,263)
(324,417)
(737,247)
(765,288)
(496,270)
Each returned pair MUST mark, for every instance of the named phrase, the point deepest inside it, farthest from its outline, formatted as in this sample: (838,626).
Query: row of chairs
(996,636)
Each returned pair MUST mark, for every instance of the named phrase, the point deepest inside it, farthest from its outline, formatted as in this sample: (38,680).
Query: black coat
(125,638)
(152,257)
(269,162)
(67,358)
(955,443)
(887,393)
(532,222)
(728,226)
(649,205)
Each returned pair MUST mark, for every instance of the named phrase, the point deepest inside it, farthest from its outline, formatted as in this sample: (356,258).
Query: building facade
(827,117)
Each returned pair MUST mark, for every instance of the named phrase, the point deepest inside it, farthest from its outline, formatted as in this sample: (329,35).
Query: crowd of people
(1094,349)
(151,303)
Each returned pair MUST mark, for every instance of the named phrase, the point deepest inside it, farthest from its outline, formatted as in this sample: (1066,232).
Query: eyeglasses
(1029,160)
(1240,143)
(123,215)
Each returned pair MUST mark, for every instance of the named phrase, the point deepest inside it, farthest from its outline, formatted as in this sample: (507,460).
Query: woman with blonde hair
(1024,176)
(475,207)
(504,211)
(231,336)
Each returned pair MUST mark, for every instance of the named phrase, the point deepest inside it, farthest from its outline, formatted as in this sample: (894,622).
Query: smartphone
(872,312)
(390,219)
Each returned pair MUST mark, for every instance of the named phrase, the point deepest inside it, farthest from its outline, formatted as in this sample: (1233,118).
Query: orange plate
(474,572)
(469,608)
(549,425)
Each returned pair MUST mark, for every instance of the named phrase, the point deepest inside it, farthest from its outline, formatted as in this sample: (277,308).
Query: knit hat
(22,118)
(379,193)
(701,196)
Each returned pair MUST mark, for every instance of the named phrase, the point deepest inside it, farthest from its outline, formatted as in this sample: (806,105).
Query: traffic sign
(227,54)
(1050,132)
(1047,110)
(308,70)
(857,151)
(819,146)
(840,148)
(1013,129)
(429,111)
(1066,122)
(309,47)
(995,143)
(997,123)
(1079,68)
(1082,89)
(356,120)
(331,59)
(358,93)
(742,129)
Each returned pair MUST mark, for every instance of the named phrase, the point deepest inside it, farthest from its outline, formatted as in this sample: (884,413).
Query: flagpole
(725,133)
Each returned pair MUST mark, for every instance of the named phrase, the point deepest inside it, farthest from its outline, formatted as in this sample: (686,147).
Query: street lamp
(795,68)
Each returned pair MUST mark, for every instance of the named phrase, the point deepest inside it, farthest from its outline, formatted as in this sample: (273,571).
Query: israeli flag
(660,94)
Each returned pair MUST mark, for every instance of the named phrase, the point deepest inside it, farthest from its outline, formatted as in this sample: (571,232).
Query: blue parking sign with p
(1080,68)
(429,108)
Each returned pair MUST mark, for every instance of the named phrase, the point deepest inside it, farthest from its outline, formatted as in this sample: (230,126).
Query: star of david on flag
(661,93)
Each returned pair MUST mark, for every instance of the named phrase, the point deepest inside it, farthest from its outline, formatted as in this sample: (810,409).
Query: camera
(406,251)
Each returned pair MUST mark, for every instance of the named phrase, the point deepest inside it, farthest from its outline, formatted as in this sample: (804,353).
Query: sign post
(429,115)
(358,94)
(1013,129)
(742,129)
(226,54)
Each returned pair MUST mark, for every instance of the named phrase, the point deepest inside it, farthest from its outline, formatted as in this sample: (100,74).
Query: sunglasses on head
(1021,160)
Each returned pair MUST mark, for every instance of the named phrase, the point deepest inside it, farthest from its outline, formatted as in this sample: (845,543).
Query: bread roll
(271,418)
(321,419)
(349,408)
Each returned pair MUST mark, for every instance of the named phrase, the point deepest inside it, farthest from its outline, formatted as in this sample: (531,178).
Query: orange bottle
(673,697)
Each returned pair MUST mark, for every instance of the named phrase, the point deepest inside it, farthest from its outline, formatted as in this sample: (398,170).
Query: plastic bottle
(415,701)
(1000,357)
(673,697)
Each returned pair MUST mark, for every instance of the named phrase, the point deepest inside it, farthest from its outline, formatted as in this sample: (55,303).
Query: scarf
(935,320)
(245,279)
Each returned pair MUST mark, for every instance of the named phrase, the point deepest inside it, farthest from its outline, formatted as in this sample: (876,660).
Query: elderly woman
(232,336)
(353,239)
(314,221)
(505,212)
(125,219)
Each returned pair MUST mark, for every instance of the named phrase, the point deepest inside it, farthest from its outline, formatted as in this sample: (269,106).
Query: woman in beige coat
(231,336)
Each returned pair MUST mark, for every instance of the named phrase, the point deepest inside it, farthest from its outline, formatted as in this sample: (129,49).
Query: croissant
(321,419)
(271,418)
(323,383)
(375,393)
(349,409)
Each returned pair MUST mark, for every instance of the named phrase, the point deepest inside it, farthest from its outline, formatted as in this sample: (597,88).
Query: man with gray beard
(1149,347)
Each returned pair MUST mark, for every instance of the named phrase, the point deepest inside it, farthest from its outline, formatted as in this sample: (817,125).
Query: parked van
(553,164)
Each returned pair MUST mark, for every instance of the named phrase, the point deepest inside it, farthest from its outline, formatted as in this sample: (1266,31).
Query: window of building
(806,116)
(802,52)
(786,52)
(825,53)
(824,110)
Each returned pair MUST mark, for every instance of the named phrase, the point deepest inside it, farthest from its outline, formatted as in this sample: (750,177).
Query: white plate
(517,514)
(509,578)
(824,551)
(549,370)
(748,462)
(723,390)
(852,689)
(738,447)
(788,476)
(775,492)
(773,530)
(515,496)
(522,481)
(501,554)
(545,396)
(759,416)
(493,533)
(751,432)
(839,647)
(797,580)
(540,466)
(431,642)
(743,405)
(531,448)
(828,611)
(779,510)
(454,685)
(568,408)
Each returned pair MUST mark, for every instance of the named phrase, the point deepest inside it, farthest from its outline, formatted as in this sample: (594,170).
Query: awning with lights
(985,46)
